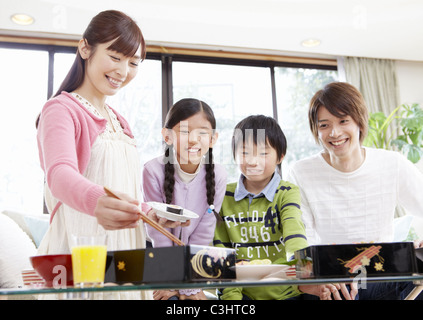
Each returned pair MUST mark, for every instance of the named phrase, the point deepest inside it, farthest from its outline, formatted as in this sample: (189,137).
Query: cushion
(38,226)
(18,217)
(15,249)
(402,227)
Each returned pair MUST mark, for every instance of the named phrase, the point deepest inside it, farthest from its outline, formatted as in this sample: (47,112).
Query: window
(234,88)
(140,103)
(62,64)
(24,91)
(294,89)
(233,92)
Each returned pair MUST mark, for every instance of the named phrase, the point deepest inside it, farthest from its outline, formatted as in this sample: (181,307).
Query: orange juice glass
(89,255)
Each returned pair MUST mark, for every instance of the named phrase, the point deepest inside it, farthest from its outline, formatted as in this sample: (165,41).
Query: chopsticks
(152,223)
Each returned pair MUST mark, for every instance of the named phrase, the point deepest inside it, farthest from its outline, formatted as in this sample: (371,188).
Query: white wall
(410,78)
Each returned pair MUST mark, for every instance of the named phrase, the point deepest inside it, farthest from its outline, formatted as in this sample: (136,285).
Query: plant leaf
(412,152)
(399,143)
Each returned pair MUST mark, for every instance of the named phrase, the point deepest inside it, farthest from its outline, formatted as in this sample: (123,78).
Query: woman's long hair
(104,27)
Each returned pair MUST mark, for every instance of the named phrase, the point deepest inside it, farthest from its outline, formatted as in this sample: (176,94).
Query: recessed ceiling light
(22,19)
(310,43)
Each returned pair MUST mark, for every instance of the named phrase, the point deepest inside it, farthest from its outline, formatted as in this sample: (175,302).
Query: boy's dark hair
(261,129)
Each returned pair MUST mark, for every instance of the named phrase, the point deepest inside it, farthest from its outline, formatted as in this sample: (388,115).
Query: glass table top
(417,278)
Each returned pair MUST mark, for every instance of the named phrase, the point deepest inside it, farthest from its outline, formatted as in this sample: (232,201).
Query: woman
(84,144)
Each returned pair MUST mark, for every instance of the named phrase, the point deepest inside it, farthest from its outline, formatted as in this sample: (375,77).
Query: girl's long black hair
(182,110)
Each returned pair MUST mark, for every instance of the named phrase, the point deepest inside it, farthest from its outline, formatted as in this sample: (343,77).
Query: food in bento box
(260,261)
(174,209)
(244,262)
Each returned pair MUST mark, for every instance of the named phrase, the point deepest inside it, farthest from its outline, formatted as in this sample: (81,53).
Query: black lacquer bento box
(190,263)
(350,260)
(419,256)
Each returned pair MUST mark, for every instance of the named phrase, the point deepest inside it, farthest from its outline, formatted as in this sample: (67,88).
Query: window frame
(51,49)
(168,58)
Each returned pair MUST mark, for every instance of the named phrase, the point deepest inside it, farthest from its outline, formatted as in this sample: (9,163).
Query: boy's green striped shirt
(262,230)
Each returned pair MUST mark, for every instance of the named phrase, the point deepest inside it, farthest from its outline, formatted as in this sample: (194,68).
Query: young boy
(261,213)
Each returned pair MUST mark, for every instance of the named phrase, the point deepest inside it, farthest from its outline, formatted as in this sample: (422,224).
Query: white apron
(114,163)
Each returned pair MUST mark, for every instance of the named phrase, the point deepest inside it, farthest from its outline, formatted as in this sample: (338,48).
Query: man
(349,192)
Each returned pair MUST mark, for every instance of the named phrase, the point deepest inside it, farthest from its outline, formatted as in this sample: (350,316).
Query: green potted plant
(410,139)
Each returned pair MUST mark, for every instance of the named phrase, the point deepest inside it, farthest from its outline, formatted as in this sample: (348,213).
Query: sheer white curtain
(377,81)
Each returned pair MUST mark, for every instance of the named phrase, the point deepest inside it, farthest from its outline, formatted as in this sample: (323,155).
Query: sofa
(20,235)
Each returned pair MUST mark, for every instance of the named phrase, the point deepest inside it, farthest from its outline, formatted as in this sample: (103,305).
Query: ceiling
(388,29)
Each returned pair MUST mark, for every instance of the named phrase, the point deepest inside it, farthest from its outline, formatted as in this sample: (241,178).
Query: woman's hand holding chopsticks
(117,213)
(124,198)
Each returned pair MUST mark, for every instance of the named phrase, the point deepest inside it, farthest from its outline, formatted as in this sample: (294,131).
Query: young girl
(186,176)
(84,144)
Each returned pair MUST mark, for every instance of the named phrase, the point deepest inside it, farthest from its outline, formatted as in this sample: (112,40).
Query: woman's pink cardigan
(66,132)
